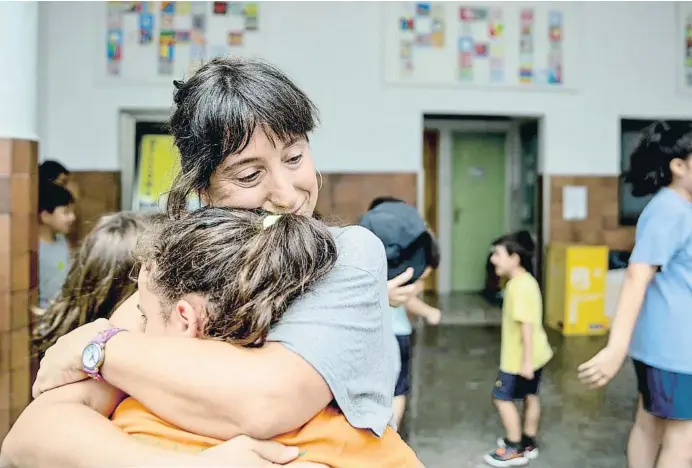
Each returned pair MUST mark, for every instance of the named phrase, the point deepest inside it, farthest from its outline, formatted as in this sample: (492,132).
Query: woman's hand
(247,452)
(399,294)
(601,368)
(62,363)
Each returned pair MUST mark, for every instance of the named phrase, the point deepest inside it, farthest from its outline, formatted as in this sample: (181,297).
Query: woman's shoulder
(359,248)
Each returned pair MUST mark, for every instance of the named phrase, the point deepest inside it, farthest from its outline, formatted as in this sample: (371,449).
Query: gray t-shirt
(343,328)
(53,265)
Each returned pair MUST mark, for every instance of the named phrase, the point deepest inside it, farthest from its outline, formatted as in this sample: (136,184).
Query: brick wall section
(345,197)
(18,273)
(602,226)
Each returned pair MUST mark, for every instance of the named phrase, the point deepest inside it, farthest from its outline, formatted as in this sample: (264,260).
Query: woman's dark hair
(218,109)
(649,169)
(247,271)
(520,243)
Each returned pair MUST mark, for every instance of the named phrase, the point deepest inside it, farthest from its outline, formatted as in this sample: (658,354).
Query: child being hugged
(229,275)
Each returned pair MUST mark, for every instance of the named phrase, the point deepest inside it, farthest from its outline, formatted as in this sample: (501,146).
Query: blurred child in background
(524,351)
(99,278)
(409,245)
(56,216)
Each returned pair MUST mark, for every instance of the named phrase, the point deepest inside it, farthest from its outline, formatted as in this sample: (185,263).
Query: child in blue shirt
(56,215)
(654,315)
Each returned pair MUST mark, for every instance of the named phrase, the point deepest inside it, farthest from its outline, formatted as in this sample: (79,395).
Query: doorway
(478,204)
(480,181)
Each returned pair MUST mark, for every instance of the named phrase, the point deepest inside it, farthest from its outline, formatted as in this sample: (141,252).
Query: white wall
(18,98)
(628,68)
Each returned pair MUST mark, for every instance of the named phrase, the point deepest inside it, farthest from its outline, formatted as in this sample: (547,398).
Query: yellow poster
(159,163)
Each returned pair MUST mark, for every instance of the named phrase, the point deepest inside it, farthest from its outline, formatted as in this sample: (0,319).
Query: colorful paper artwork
(146,27)
(526,59)
(688,50)
(480,46)
(555,38)
(220,8)
(421,25)
(176,24)
(235,38)
(251,16)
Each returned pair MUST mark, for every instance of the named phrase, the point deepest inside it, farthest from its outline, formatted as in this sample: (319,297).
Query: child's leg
(399,408)
(666,402)
(403,383)
(645,437)
(676,451)
(512,452)
(532,415)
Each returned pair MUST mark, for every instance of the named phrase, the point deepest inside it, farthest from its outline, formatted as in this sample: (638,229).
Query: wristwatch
(94,353)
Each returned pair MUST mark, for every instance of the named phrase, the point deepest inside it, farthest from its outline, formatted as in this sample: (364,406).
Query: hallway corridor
(451,422)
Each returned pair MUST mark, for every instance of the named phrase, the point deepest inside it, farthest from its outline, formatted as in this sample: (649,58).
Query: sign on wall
(156,42)
(159,163)
(495,44)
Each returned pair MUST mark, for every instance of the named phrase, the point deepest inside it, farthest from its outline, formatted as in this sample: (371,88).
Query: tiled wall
(18,273)
(345,197)
(601,227)
(97,193)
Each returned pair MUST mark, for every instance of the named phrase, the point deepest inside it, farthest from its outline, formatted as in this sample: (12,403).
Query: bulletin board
(498,45)
(155,42)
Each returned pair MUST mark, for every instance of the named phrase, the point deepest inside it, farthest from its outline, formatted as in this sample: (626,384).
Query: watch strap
(101,339)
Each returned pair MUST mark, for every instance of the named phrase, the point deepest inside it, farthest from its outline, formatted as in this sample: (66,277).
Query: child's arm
(632,294)
(419,308)
(527,342)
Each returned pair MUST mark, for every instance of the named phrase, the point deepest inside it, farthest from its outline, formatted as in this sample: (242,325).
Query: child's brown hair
(99,278)
(249,265)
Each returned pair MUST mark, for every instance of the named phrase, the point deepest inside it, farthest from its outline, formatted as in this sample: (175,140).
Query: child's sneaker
(530,447)
(506,456)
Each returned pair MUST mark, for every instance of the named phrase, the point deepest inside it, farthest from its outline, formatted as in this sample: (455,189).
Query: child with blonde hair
(98,279)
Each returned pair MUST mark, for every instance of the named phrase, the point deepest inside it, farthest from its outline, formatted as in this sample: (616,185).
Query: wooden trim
(431,139)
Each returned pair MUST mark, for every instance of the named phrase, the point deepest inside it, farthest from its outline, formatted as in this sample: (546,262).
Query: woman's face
(280,178)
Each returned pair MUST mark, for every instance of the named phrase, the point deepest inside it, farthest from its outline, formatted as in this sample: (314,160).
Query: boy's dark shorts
(510,387)
(665,394)
(403,383)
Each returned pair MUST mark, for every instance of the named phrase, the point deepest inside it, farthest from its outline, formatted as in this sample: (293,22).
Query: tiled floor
(451,422)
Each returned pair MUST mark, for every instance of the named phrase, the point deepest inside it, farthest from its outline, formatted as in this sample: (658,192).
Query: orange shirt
(327,438)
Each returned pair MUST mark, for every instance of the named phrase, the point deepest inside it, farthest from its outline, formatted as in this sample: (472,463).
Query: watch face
(91,356)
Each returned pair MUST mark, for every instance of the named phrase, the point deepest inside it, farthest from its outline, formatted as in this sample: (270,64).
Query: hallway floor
(451,422)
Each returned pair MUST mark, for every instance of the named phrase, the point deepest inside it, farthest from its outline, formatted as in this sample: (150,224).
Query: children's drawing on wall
(174,37)
(166,39)
(555,40)
(533,47)
(495,44)
(526,46)
(421,25)
(114,39)
(481,45)
(688,50)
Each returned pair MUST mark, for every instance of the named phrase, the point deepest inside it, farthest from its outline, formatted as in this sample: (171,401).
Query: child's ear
(187,317)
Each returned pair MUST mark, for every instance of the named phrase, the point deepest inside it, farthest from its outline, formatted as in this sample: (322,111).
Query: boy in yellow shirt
(524,351)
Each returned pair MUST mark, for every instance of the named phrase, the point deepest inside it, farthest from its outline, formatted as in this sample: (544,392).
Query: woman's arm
(215,389)
(63,428)
(203,386)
